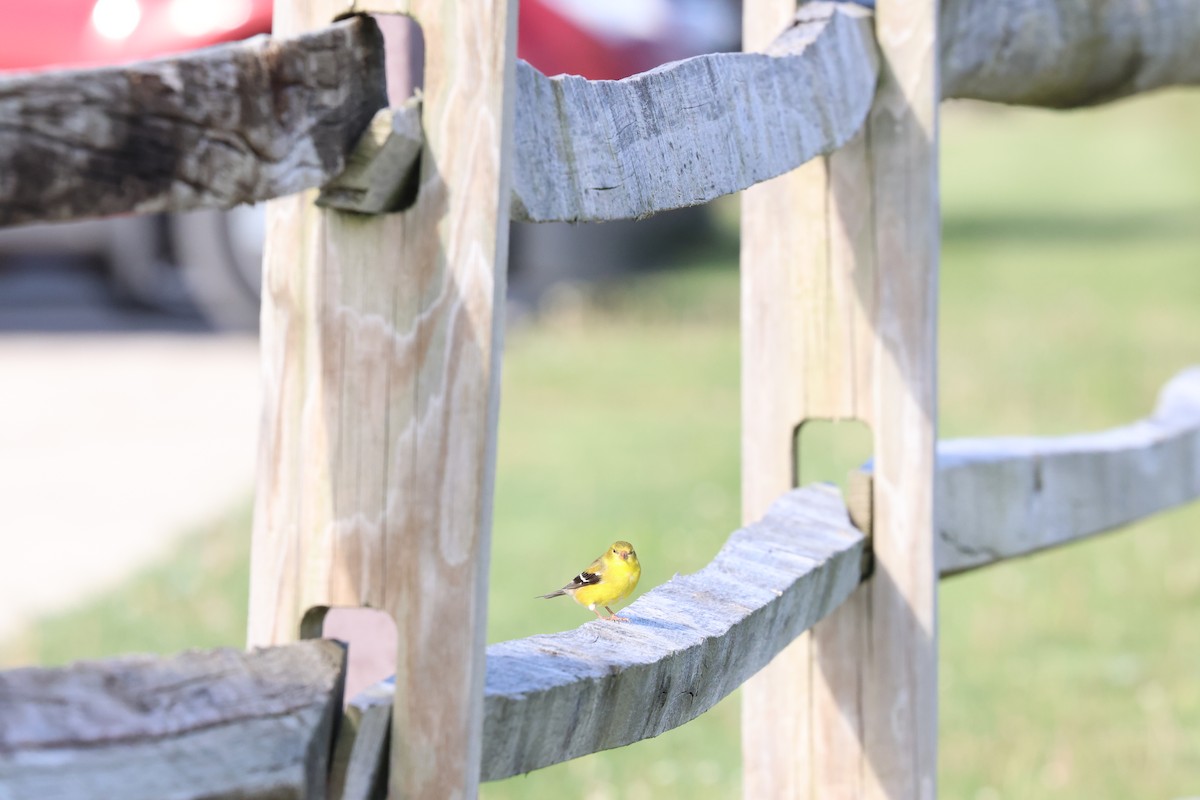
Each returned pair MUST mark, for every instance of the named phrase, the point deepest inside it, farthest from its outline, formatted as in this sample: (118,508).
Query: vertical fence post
(839,276)
(381,340)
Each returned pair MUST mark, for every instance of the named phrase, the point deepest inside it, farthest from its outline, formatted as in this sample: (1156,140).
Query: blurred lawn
(1070,293)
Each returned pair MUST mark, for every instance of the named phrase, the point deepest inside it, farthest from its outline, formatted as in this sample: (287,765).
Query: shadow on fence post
(839,265)
(381,344)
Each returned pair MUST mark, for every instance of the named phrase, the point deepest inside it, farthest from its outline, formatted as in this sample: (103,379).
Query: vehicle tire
(219,254)
(138,272)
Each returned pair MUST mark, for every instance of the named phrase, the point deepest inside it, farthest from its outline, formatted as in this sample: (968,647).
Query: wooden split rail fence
(381,352)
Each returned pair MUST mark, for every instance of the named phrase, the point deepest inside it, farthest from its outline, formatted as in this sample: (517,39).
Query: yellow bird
(611,577)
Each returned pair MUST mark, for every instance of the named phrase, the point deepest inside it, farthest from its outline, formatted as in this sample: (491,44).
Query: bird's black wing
(585,578)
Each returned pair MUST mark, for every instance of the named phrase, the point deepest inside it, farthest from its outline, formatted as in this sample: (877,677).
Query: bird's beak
(624,556)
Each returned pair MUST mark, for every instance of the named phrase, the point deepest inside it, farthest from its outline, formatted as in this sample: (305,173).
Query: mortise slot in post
(403,56)
(370,637)
(382,174)
(838,452)
(829,451)
(403,53)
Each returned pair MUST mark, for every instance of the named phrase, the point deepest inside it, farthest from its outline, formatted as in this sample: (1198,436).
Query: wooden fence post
(381,340)
(839,269)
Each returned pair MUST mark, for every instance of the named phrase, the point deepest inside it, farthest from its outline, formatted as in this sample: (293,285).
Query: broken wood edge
(688,644)
(860,503)
(213,723)
(1004,498)
(692,130)
(381,171)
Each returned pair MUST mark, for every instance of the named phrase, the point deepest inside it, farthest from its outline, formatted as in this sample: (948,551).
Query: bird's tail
(548,596)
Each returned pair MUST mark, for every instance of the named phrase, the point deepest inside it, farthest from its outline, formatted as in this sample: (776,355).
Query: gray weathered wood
(380,176)
(689,642)
(231,124)
(693,130)
(211,724)
(360,759)
(1064,53)
(1003,498)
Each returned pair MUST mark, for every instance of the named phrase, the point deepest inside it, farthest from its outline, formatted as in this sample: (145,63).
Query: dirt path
(111,447)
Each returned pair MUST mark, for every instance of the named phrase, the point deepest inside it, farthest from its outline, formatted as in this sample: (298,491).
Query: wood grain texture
(692,130)
(839,266)
(1064,53)
(1003,498)
(381,341)
(689,642)
(213,724)
(231,124)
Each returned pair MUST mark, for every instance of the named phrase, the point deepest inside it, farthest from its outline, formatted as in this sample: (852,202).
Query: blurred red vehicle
(90,33)
(219,253)
(599,40)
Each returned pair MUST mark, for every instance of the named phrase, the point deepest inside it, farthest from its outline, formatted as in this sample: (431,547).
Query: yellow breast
(619,581)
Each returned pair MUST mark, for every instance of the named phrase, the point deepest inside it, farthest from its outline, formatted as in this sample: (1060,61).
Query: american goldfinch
(611,577)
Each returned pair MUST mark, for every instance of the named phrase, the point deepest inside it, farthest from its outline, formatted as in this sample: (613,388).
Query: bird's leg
(612,615)
(597,613)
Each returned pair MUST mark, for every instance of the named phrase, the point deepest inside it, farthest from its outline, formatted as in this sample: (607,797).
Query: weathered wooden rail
(202,724)
(381,352)
(226,125)
(250,121)
(1005,498)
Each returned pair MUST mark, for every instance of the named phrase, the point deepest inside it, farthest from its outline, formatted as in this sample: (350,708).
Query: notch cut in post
(831,451)
(839,452)
(370,638)
(382,171)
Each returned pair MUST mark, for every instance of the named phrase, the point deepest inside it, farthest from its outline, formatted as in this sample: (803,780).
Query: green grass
(1070,293)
